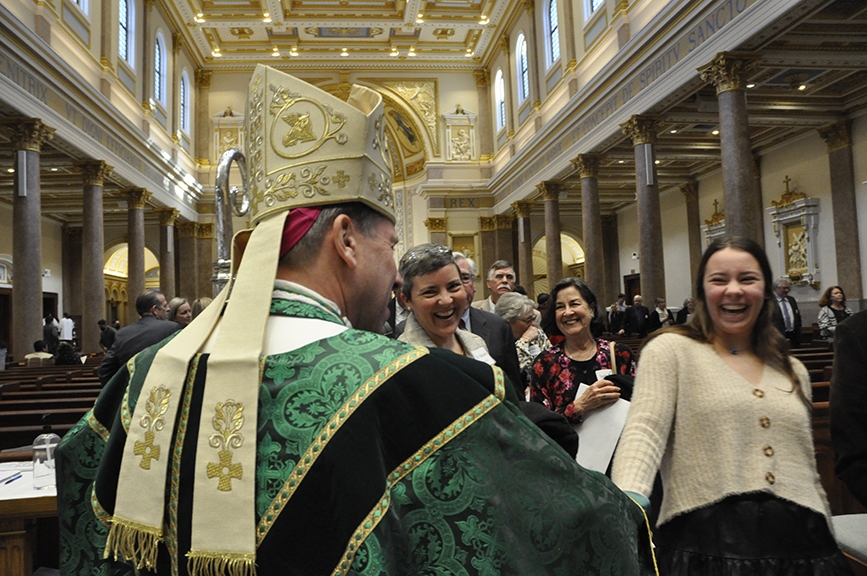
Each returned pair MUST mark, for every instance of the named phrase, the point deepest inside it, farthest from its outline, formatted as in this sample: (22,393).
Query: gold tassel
(134,542)
(206,563)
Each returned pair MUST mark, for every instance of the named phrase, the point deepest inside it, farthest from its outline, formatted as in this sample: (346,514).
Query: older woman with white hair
(530,340)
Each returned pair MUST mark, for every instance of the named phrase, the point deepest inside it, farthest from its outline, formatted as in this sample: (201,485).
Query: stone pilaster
(136,199)
(536,87)
(525,247)
(188,259)
(203,119)
(611,254)
(205,240)
(147,77)
(568,52)
(27,135)
(550,191)
(643,130)
(71,254)
(92,283)
(167,250)
(693,227)
(485,131)
(846,244)
(488,249)
(437,230)
(587,166)
(504,238)
(728,72)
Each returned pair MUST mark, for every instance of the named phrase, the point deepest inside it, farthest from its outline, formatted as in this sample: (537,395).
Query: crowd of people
(343,413)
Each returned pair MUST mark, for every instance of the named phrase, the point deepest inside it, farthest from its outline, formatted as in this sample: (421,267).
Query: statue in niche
(461,146)
(798,251)
(228,140)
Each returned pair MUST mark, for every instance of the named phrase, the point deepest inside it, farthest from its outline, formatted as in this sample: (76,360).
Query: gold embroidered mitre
(306,147)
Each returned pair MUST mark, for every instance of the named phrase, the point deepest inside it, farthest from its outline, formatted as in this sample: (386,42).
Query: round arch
(115,274)
(572,260)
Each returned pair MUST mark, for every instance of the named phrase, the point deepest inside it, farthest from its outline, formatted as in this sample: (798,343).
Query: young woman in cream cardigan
(723,412)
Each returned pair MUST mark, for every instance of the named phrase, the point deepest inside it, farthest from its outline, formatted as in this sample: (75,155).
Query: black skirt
(749,535)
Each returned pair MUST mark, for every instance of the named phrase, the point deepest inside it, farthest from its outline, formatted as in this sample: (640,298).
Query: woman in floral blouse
(579,358)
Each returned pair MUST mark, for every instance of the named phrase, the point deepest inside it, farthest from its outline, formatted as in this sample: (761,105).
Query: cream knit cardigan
(712,434)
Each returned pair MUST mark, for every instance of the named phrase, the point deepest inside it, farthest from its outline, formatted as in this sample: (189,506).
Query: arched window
(500,97)
(184,99)
(83,5)
(591,6)
(160,69)
(552,27)
(126,31)
(523,69)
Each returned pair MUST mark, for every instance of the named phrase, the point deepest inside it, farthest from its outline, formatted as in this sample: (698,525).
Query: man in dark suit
(787,317)
(615,314)
(848,404)
(637,318)
(151,328)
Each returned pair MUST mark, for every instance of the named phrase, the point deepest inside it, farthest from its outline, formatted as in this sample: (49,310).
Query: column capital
(73,233)
(27,133)
(136,198)
(529,5)
(549,189)
(486,224)
(522,208)
(436,224)
(186,229)
(642,129)
(609,221)
(205,230)
(203,78)
(483,77)
(837,135)
(503,221)
(93,172)
(690,190)
(167,215)
(587,165)
(730,70)
(504,44)
(177,42)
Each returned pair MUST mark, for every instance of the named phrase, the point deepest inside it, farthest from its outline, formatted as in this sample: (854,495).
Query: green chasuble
(428,469)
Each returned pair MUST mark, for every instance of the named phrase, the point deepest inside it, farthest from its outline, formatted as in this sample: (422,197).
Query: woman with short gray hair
(530,341)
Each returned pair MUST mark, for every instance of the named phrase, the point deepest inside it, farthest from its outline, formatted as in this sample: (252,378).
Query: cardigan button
(770,477)
(758,393)
(769,451)
(765,422)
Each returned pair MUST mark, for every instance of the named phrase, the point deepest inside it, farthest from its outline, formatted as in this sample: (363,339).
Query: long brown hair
(825,300)
(769,345)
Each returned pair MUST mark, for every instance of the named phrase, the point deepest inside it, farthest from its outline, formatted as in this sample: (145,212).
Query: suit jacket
(848,404)
(779,322)
(655,322)
(131,340)
(681,316)
(615,320)
(637,320)
(498,337)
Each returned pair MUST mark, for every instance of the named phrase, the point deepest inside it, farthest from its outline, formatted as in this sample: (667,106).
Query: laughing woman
(723,413)
(433,292)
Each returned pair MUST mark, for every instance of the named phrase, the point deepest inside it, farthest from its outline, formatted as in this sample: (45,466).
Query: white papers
(598,435)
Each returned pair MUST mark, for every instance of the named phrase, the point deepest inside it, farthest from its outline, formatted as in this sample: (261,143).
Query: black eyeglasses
(424,250)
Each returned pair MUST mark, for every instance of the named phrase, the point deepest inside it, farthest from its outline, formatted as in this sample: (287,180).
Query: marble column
(611,255)
(846,244)
(728,72)
(525,247)
(205,240)
(167,250)
(136,199)
(643,130)
(487,251)
(553,250)
(485,127)
(504,240)
(436,229)
(693,228)
(587,166)
(187,261)
(71,255)
(27,135)
(92,284)
(203,119)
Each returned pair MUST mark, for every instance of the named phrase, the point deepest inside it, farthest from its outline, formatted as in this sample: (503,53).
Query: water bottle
(43,459)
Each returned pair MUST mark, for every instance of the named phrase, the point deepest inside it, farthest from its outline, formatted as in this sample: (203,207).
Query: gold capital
(205,230)
(94,172)
(529,5)
(73,232)
(136,198)
(167,215)
(504,43)
(642,129)
(28,133)
(730,70)
(436,224)
(487,224)
(177,42)
(587,165)
(690,190)
(503,221)
(483,77)
(837,135)
(522,208)
(186,229)
(203,78)
(549,189)
(609,221)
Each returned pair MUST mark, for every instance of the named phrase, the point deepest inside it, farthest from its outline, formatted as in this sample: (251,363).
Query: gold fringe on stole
(133,542)
(206,563)
(649,534)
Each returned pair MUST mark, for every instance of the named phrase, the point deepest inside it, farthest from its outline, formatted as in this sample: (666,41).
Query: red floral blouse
(555,377)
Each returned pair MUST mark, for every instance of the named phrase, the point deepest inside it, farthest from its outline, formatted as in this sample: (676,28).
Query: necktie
(786,316)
